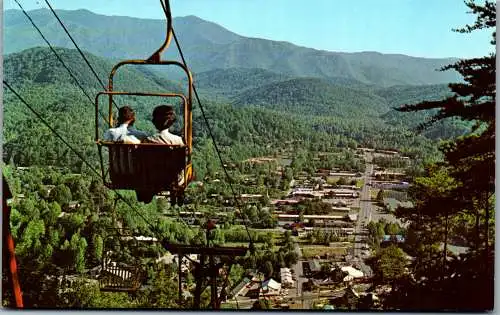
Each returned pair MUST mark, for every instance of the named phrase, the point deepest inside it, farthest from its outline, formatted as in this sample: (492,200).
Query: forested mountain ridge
(342,99)
(404,94)
(245,129)
(233,81)
(314,96)
(40,66)
(114,37)
(208,46)
(398,96)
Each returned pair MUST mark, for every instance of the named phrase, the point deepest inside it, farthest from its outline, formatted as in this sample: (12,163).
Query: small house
(271,287)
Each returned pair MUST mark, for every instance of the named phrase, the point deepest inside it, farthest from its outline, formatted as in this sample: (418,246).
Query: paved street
(298,271)
(365,211)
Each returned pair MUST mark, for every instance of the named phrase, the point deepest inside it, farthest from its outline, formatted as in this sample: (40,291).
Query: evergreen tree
(463,184)
(380,196)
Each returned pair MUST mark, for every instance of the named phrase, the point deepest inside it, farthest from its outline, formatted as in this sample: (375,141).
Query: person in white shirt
(125,132)
(163,118)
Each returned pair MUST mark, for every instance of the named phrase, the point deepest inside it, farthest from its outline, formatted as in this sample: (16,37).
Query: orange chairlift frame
(146,166)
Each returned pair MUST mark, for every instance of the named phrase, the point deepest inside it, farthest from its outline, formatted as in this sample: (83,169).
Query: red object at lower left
(9,249)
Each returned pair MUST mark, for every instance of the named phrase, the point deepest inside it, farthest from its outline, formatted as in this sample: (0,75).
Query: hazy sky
(412,27)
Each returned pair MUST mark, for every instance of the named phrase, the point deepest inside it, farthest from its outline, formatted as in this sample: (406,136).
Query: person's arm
(108,135)
(141,135)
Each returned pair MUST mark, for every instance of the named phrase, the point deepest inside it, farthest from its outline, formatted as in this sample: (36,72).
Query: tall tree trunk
(445,247)
(487,233)
(487,223)
(478,238)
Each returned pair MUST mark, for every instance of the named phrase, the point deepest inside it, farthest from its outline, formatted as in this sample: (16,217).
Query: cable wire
(92,69)
(83,90)
(57,55)
(154,228)
(102,84)
(78,48)
(213,140)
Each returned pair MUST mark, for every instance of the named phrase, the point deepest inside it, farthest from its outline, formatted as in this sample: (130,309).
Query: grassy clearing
(332,180)
(360,183)
(276,234)
(246,244)
(318,250)
(227,306)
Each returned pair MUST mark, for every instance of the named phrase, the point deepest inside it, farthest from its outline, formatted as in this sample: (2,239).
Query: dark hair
(163,116)
(125,113)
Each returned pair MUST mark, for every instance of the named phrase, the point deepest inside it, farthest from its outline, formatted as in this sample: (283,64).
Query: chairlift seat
(119,278)
(146,166)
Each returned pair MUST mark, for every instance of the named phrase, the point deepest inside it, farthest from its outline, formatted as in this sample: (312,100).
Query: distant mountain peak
(207,46)
(192,18)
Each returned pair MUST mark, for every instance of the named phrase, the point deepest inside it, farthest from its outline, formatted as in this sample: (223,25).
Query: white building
(353,273)
(286,277)
(271,287)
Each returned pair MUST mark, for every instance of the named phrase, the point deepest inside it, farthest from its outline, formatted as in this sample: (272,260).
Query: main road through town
(298,271)
(365,205)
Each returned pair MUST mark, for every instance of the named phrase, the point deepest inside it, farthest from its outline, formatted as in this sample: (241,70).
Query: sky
(421,28)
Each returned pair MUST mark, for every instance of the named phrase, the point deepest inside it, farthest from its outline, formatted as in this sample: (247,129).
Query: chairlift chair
(117,273)
(148,168)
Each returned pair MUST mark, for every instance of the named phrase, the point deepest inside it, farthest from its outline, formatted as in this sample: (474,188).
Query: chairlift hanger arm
(156,56)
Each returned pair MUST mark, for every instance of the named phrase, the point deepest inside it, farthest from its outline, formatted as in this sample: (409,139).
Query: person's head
(126,115)
(163,117)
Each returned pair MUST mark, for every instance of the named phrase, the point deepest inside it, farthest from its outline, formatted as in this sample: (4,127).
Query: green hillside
(208,46)
(40,66)
(403,94)
(399,95)
(230,82)
(315,96)
(260,118)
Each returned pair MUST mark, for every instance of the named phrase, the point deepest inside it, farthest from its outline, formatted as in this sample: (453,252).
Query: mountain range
(355,91)
(269,112)
(208,46)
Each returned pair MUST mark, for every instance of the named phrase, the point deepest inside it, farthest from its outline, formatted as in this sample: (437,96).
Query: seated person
(125,132)
(163,118)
